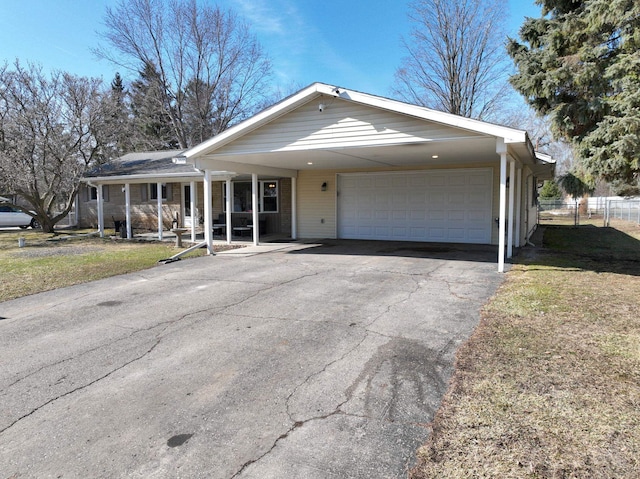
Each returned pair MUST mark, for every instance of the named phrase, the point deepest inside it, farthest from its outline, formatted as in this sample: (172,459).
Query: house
(145,186)
(337,163)
(162,194)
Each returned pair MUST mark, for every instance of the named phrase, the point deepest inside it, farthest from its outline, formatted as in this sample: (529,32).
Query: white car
(10,216)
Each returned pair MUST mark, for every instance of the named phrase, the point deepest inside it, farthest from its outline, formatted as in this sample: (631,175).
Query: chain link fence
(559,211)
(597,208)
(622,209)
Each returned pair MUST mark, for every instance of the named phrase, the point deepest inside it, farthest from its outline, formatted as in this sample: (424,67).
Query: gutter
(147,178)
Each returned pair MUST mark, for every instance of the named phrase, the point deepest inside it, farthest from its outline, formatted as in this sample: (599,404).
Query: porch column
(512,186)
(159,193)
(227,220)
(502,151)
(294,209)
(100,211)
(208,214)
(254,208)
(127,208)
(518,205)
(192,206)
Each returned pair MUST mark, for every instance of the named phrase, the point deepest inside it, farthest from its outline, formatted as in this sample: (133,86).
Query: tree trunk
(48,226)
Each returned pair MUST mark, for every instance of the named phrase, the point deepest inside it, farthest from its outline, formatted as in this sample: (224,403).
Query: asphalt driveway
(308,362)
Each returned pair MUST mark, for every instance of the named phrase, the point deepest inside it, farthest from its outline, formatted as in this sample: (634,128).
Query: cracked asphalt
(312,361)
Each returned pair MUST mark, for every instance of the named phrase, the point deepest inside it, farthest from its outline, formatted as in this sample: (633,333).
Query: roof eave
(142,178)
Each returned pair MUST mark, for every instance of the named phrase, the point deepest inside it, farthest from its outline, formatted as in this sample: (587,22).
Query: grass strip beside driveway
(549,384)
(48,262)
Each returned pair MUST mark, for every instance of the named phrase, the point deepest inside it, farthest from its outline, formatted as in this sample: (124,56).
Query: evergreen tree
(550,191)
(152,124)
(118,117)
(580,65)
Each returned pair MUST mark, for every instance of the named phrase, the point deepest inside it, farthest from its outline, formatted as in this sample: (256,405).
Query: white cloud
(262,15)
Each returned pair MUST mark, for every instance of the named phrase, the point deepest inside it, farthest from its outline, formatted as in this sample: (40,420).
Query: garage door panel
(457,216)
(457,180)
(442,205)
(419,180)
(456,235)
(436,179)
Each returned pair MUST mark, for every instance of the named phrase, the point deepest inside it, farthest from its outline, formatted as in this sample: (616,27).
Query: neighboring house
(350,165)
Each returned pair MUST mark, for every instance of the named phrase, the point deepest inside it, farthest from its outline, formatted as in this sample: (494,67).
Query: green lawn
(48,262)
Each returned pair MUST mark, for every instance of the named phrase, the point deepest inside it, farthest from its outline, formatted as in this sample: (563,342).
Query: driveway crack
(84,386)
(298,424)
(286,434)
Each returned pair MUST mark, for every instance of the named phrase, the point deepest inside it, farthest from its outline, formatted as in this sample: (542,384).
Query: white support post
(159,193)
(127,209)
(254,208)
(227,219)
(502,151)
(100,211)
(192,206)
(512,186)
(294,209)
(208,214)
(518,205)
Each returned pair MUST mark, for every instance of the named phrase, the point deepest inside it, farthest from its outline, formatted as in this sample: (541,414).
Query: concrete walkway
(305,361)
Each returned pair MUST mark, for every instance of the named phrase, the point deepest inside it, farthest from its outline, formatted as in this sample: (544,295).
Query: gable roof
(321,90)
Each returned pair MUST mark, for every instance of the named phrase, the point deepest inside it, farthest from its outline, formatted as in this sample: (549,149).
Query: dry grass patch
(549,384)
(48,262)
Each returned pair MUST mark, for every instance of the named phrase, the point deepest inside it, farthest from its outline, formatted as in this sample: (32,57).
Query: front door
(186,205)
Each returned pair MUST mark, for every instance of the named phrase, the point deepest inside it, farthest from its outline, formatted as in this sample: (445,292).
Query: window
(269,196)
(241,194)
(153,191)
(93,193)
(149,192)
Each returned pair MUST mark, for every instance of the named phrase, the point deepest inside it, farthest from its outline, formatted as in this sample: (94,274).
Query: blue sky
(356,44)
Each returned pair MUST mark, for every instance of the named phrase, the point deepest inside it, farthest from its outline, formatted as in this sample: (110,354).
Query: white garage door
(452,206)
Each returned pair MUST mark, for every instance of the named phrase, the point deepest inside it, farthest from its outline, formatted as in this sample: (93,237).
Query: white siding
(316,208)
(340,124)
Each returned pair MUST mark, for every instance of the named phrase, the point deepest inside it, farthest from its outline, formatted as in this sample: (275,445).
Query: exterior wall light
(324,186)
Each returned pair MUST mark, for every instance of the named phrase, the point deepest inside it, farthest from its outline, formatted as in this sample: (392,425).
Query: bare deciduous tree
(211,69)
(51,130)
(456,56)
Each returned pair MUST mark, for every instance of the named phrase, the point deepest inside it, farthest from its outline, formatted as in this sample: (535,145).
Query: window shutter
(144,192)
(84,194)
(169,191)
(105,192)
